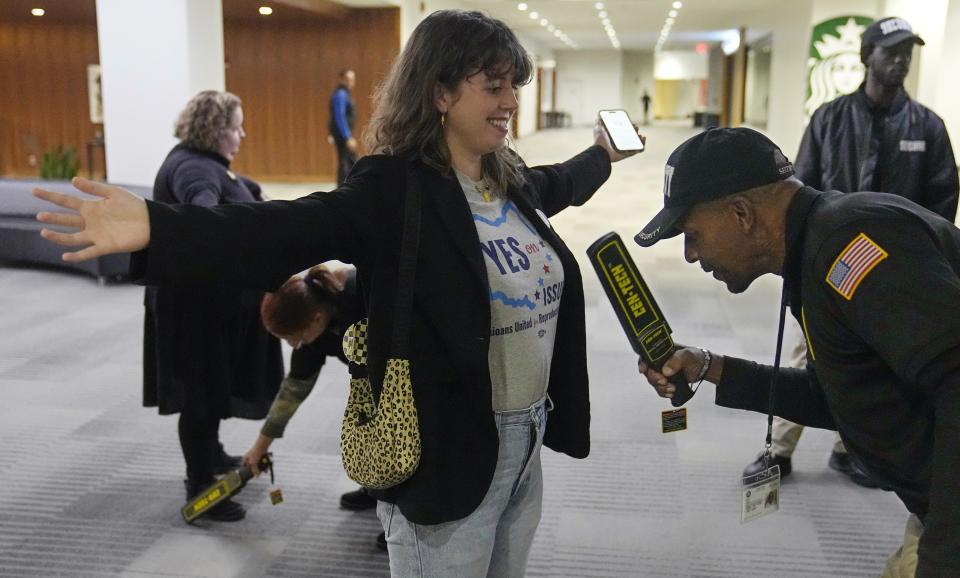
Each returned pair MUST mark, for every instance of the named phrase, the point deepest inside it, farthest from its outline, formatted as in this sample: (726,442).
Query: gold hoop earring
(443,120)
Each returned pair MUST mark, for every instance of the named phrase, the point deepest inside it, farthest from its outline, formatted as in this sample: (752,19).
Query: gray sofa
(20,240)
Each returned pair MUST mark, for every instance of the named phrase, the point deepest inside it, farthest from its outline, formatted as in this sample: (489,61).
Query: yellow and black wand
(638,313)
(230,484)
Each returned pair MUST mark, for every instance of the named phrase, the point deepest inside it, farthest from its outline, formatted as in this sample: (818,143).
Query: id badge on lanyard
(760,492)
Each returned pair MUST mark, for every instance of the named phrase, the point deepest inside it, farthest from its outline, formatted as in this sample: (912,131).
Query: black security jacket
(884,365)
(911,156)
(261,244)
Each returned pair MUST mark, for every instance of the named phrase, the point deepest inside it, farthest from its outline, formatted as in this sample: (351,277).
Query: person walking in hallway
(874,139)
(646,106)
(343,117)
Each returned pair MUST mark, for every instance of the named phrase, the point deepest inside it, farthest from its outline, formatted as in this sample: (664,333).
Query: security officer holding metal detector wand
(873,280)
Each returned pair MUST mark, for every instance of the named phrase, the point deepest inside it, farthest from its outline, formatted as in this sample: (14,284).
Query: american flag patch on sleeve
(853,264)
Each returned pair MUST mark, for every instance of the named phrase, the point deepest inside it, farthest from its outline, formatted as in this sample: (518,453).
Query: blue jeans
(495,539)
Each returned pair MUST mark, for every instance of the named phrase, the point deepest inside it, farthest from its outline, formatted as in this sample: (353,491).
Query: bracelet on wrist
(707,362)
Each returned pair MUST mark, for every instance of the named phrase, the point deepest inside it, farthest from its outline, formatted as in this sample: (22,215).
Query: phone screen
(621,131)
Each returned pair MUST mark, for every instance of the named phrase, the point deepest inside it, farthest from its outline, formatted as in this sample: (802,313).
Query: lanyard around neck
(776,364)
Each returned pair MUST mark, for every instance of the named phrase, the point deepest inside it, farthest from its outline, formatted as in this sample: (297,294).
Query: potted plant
(60,163)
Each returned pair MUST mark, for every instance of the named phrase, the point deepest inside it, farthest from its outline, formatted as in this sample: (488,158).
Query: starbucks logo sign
(834,66)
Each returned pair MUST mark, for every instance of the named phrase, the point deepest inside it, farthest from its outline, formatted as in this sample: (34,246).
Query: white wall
(527,113)
(679,65)
(588,80)
(827,9)
(928,19)
(789,24)
(946,102)
(715,58)
(154,57)
(205,46)
(757,104)
(637,78)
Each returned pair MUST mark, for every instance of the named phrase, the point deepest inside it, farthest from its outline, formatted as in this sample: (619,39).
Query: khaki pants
(785,433)
(903,563)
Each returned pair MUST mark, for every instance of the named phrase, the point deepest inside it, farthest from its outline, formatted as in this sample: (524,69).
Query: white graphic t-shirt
(526,283)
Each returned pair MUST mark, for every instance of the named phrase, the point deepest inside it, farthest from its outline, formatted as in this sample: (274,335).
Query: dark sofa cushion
(20,239)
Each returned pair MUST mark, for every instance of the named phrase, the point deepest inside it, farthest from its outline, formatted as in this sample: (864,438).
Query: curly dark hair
(201,124)
(445,48)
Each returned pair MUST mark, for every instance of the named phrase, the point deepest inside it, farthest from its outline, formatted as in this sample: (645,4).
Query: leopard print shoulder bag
(380,442)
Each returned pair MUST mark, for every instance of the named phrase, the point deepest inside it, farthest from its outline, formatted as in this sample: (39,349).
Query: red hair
(292,307)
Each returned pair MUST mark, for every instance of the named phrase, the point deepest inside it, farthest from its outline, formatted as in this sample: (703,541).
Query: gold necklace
(483,187)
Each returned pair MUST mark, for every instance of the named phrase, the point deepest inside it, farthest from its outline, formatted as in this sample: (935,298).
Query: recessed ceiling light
(605,22)
(266,10)
(534,16)
(672,13)
(522,6)
(544,22)
(599,5)
(670,21)
(37,12)
(551,28)
(678,5)
(602,14)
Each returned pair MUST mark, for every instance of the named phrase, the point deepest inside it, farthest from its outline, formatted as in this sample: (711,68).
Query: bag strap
(409,245)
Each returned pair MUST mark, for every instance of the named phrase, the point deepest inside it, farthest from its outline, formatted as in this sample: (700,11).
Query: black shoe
(841,462)
(224,462)
(225,511)
(382,541)
(357,500)
(845,465)
(861,478)
(756,466)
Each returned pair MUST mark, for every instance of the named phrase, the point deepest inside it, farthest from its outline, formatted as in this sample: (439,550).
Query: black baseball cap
(888,32)
(711,165)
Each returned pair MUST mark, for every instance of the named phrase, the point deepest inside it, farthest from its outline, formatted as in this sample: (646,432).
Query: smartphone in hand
(621,131)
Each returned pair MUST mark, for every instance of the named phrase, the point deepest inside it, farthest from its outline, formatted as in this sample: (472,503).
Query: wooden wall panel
(285,73)
(43,91)
(284,70)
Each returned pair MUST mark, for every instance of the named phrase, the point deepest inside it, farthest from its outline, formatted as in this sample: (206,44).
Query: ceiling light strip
(607,24)
(545,22)
(668,23)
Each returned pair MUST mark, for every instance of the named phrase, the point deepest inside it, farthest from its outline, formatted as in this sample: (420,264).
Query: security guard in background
(873,280)
(878,138)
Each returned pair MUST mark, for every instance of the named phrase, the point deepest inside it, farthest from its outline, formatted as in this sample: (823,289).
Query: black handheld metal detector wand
(638,313)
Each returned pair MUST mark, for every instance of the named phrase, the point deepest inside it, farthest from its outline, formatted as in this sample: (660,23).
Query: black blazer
(261,244)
